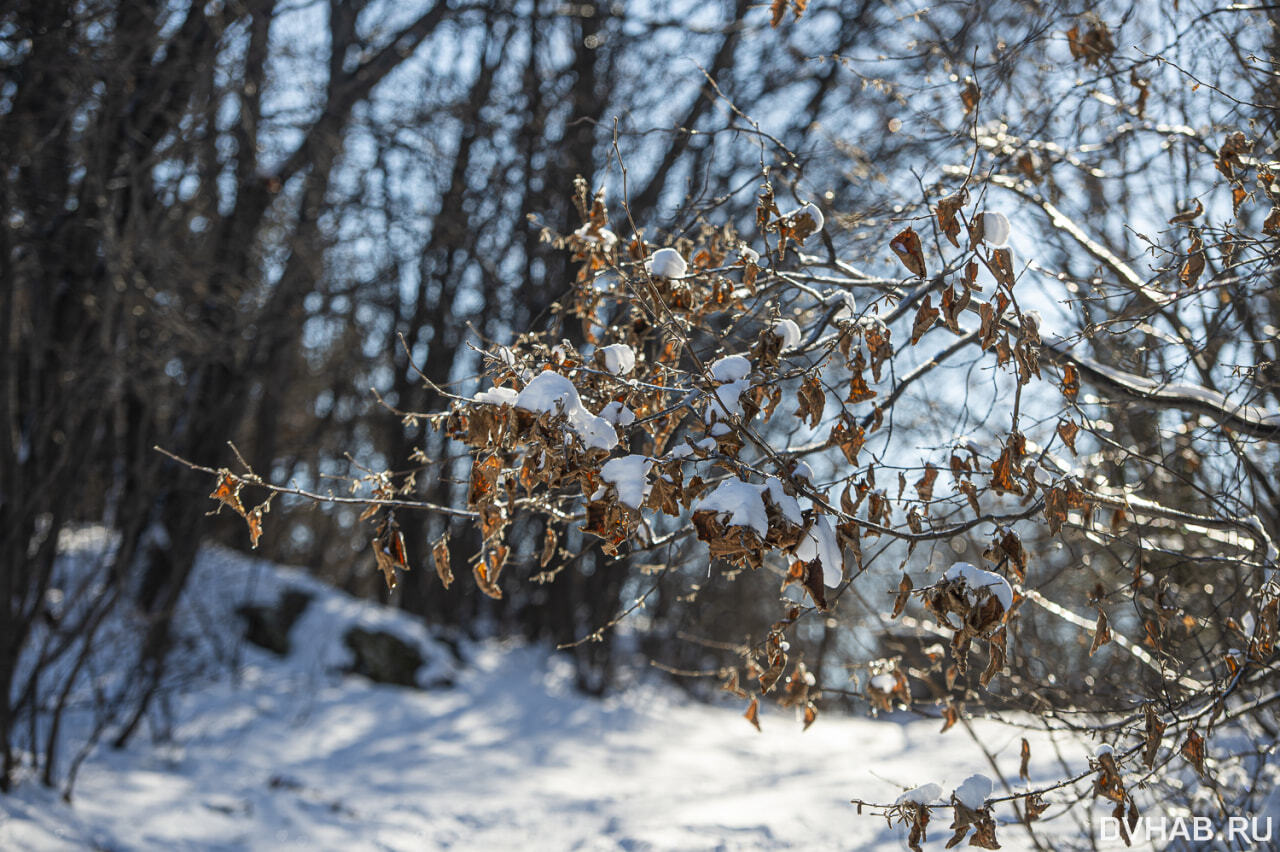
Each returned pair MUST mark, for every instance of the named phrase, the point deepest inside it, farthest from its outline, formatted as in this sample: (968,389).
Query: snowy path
(510,759)
(296,757)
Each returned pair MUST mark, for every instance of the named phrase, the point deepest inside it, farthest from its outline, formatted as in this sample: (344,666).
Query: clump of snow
(629,476)
(819,542)
(742,501)
(730,368)
(789,332)
(666,263)
(974,792)
(551,393)
(589,233)
(748,254)
(848,307)
(686,449)
(618,414)
(732,372)
(497,396)
(925,794)
(619,359)
(1104,749)
(885,683)
(788,505)
(976,578)
(812,210)
(802,470)
(995,228)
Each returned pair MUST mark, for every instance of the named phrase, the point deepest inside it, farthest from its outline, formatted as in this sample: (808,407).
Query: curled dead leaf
(906,245)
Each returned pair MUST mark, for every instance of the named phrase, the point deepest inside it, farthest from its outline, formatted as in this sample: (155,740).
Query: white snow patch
(551,393)
(497,396)
(742,501)
(732,372)
(618,414)
(995,228)
(884,683)
(819,542)
(812,210)
(267,753)
(666,263)
(974,792)
(789,332)
(788,505)
(604,236)
(730,368)
(976,578)
(848,307)
(925,794)
(629,476)
(619,359)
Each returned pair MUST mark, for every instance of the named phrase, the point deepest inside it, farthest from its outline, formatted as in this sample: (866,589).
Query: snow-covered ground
(291,754)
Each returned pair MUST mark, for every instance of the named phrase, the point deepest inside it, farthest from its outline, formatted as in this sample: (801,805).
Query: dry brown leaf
(484,580)
(969,96)
(906,245)
(925,317)
(1101,633)
(946,211)
(813,583)
(1189,215)
(440,556)
(1193,268)
(550,540)
(1067,431)
(904,593)
(1238,196)
(924,485)
(949,717)
(254,519)
(1002,266)
(1272,224)
(227,492)
(1070,382)
(1228,159)
(812,401)
(1193,751)
(1154,732)
(753,713)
